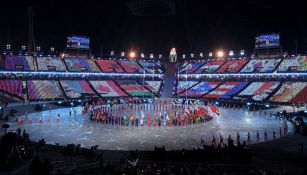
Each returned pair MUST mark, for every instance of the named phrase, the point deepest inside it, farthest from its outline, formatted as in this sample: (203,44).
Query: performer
(213,141)
(238,138)
(165,119)
(221,140)
(249,138)
(40,120)
(30,120)
(148,120)
(265,136)
(142,118)
(48,119)
(258,136)
(274,134)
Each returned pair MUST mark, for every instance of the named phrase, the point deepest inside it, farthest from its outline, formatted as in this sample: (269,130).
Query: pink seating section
(44,90)
(13,87)
(109,66)
(131,66)
(232,66)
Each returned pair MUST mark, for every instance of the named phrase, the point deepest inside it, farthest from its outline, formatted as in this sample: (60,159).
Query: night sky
(196,26)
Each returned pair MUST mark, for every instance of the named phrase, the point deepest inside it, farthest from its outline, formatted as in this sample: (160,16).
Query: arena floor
(81,130)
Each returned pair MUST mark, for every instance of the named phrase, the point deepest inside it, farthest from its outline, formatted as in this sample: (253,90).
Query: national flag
(214,109)
(187,112)
(131,117)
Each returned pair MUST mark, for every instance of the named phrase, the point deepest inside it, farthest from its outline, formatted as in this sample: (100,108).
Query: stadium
(221,111)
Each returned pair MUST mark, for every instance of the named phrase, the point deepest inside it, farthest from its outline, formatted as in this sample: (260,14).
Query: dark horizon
(196,27)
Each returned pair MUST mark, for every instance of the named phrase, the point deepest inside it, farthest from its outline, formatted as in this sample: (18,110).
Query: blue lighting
(71,103)
(44,105)
(216,102)
(267,105)
(79,101)
(248,103)
(59,102)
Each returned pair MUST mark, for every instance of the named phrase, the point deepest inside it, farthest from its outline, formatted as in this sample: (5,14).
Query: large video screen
(80,42)
(270,40)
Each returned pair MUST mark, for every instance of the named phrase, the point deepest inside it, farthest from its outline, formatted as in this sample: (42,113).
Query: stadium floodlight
(220,54)
(183,56)
(51,49)
(160,56)
(112,53)
(8,47)
(122,54)
(231,53)
(201,54)
(132,54)
(23,47)
(151,55)
(242,52)
(210,54)
(38,48)
(142,55)
(192,55)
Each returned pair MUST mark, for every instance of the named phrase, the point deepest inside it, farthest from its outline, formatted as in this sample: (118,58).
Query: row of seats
(74,89)
(257,91)
(297,64)
(12,87)
(47,90)
(12,62)
(133,88)
(291,92)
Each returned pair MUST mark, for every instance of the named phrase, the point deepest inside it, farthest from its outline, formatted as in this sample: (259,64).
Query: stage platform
(80,129)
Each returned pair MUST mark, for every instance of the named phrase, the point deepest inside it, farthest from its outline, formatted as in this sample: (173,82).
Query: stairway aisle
(169,80)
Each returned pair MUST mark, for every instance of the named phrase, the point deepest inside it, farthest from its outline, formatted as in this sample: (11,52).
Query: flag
(214,109)
(142,114)
(187,112)
(201,112)
(171,114)
(131,117)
